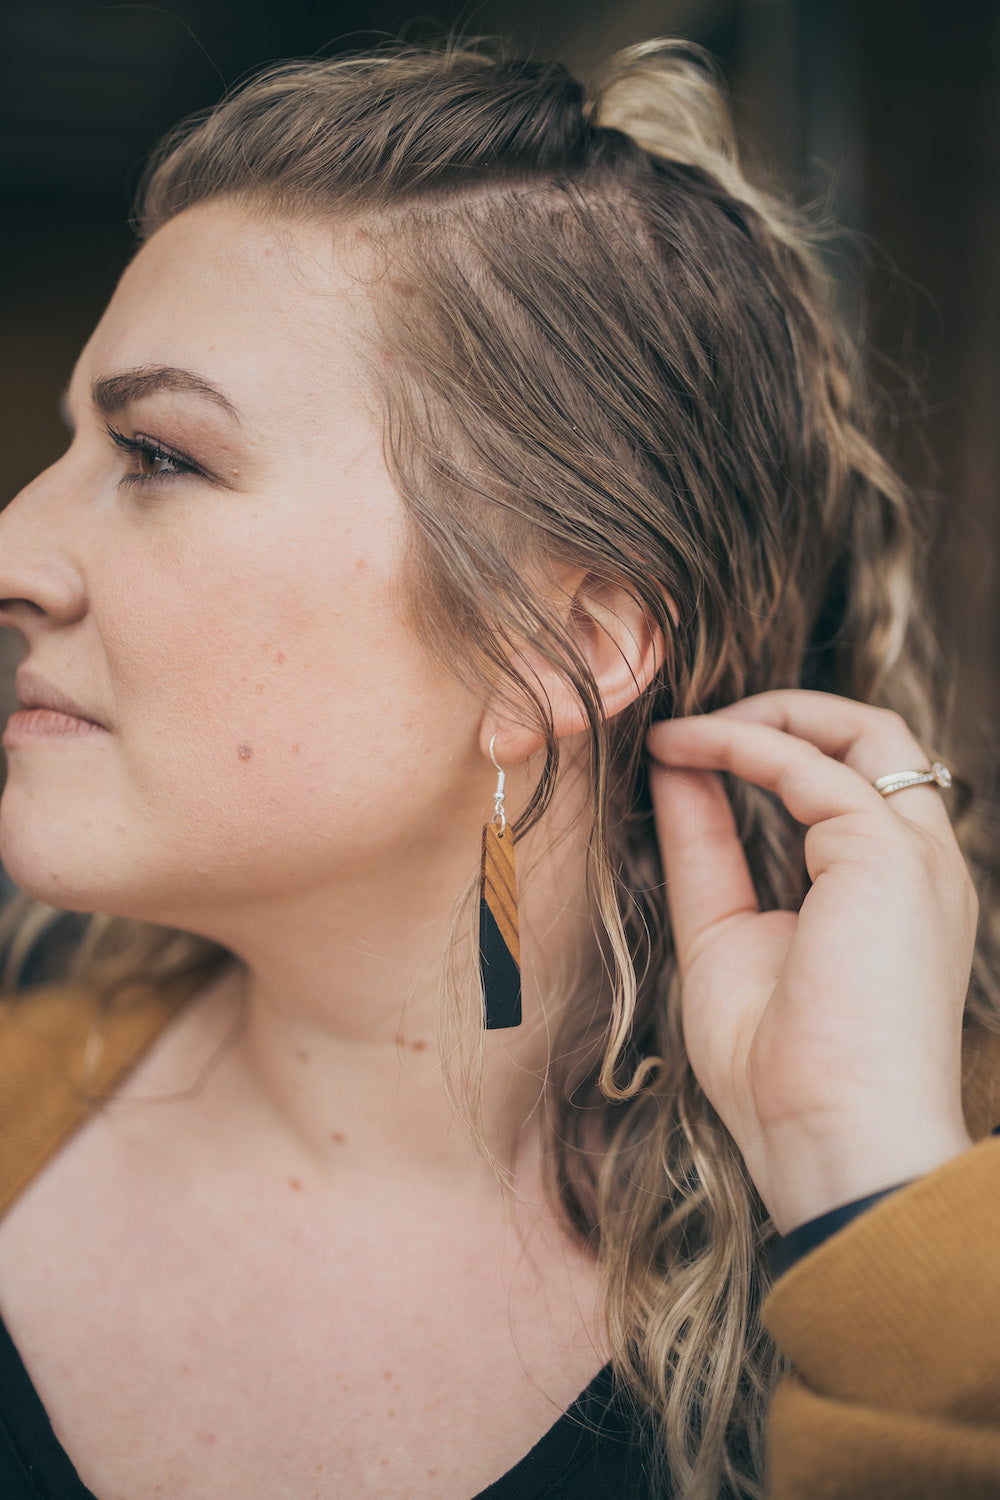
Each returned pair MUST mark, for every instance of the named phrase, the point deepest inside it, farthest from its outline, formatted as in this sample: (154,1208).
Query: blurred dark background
(888,113)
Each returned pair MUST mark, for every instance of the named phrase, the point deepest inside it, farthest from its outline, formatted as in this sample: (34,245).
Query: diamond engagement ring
(901,781)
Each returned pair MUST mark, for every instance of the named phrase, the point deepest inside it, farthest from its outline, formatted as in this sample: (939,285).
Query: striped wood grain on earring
(499,944)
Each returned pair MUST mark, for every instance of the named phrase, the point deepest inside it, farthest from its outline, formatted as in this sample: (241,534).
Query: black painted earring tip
(500,974)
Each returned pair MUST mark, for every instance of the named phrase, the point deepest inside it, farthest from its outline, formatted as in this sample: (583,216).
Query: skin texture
(282,766)
(242,635)
(828,1040)
(285,767)
(242,632)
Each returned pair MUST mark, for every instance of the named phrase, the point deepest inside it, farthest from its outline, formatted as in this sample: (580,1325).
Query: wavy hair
(601,344)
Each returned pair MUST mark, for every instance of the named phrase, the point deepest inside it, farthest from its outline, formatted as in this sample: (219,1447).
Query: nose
(41,584)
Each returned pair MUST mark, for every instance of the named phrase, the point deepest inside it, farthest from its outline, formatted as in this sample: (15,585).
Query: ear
(617,638)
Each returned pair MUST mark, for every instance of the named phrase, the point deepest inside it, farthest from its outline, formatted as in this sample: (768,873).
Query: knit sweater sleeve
(892,1328)
(61,1050)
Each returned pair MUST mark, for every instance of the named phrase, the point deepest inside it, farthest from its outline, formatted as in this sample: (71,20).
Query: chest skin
(205,1314)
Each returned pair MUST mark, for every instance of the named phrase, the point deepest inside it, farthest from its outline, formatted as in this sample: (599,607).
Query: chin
(54,866)
(49,886)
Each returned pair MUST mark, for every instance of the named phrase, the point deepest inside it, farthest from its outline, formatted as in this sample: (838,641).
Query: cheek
(251,695)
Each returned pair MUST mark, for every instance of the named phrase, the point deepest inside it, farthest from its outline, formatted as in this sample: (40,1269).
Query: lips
(34,692)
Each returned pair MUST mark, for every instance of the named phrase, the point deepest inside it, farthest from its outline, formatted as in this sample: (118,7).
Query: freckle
(392,1414)
(345,1387)
(295,1184)
(386,1374)
(302,1055)
(338,1137)
(280,658)
(419,1046)
(244,751)
(259,687)
(432,1473)
(319,1468)
(296,749)
(385,1463)
(185,1369)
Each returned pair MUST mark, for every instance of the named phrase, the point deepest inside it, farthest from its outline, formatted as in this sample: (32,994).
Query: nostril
(18,615)
(39,585)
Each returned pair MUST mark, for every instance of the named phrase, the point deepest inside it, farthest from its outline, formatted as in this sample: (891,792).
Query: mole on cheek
(244,751)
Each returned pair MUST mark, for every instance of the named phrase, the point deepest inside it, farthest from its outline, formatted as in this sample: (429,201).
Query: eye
(151,459)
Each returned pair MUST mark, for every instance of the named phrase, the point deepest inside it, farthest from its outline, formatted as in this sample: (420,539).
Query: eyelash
(144,448)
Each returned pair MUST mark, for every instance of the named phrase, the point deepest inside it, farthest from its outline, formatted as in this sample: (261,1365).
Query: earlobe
(620,641)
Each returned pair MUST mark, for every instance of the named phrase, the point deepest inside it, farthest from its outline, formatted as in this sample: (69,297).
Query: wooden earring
(499,944)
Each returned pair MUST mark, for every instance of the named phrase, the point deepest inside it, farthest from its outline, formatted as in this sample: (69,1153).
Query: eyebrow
(112,393)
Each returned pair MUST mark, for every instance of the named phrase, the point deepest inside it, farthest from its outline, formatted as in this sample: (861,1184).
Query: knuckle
(857,827)
(728,752)
(890,716)
(895,730)
(802,756)
(903,839)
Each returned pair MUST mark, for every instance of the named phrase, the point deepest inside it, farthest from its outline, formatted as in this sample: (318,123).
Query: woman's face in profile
(215,571)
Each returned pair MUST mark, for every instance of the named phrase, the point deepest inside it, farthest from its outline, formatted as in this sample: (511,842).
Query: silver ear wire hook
(499,816)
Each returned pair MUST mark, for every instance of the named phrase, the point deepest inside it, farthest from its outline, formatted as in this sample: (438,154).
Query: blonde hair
(607,347)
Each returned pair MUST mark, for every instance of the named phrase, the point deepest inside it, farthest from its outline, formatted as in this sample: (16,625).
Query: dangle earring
(499,945)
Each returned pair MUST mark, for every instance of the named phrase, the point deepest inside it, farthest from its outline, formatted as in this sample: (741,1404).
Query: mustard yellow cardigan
(892,1326)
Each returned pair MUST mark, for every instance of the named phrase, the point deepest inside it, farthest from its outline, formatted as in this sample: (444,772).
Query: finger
(812,785)
(872,741)
(706,871)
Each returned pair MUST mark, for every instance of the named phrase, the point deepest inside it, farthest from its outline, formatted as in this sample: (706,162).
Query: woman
(445,433)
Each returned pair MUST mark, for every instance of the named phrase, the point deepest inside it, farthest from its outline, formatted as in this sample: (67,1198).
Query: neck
(349,1041)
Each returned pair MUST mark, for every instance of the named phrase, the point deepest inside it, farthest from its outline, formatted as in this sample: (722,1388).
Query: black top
(593,1452)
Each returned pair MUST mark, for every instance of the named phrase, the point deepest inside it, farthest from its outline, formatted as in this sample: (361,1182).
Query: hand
(829,1039)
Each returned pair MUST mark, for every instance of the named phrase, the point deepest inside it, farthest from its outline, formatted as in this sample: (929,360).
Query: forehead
(263,307)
